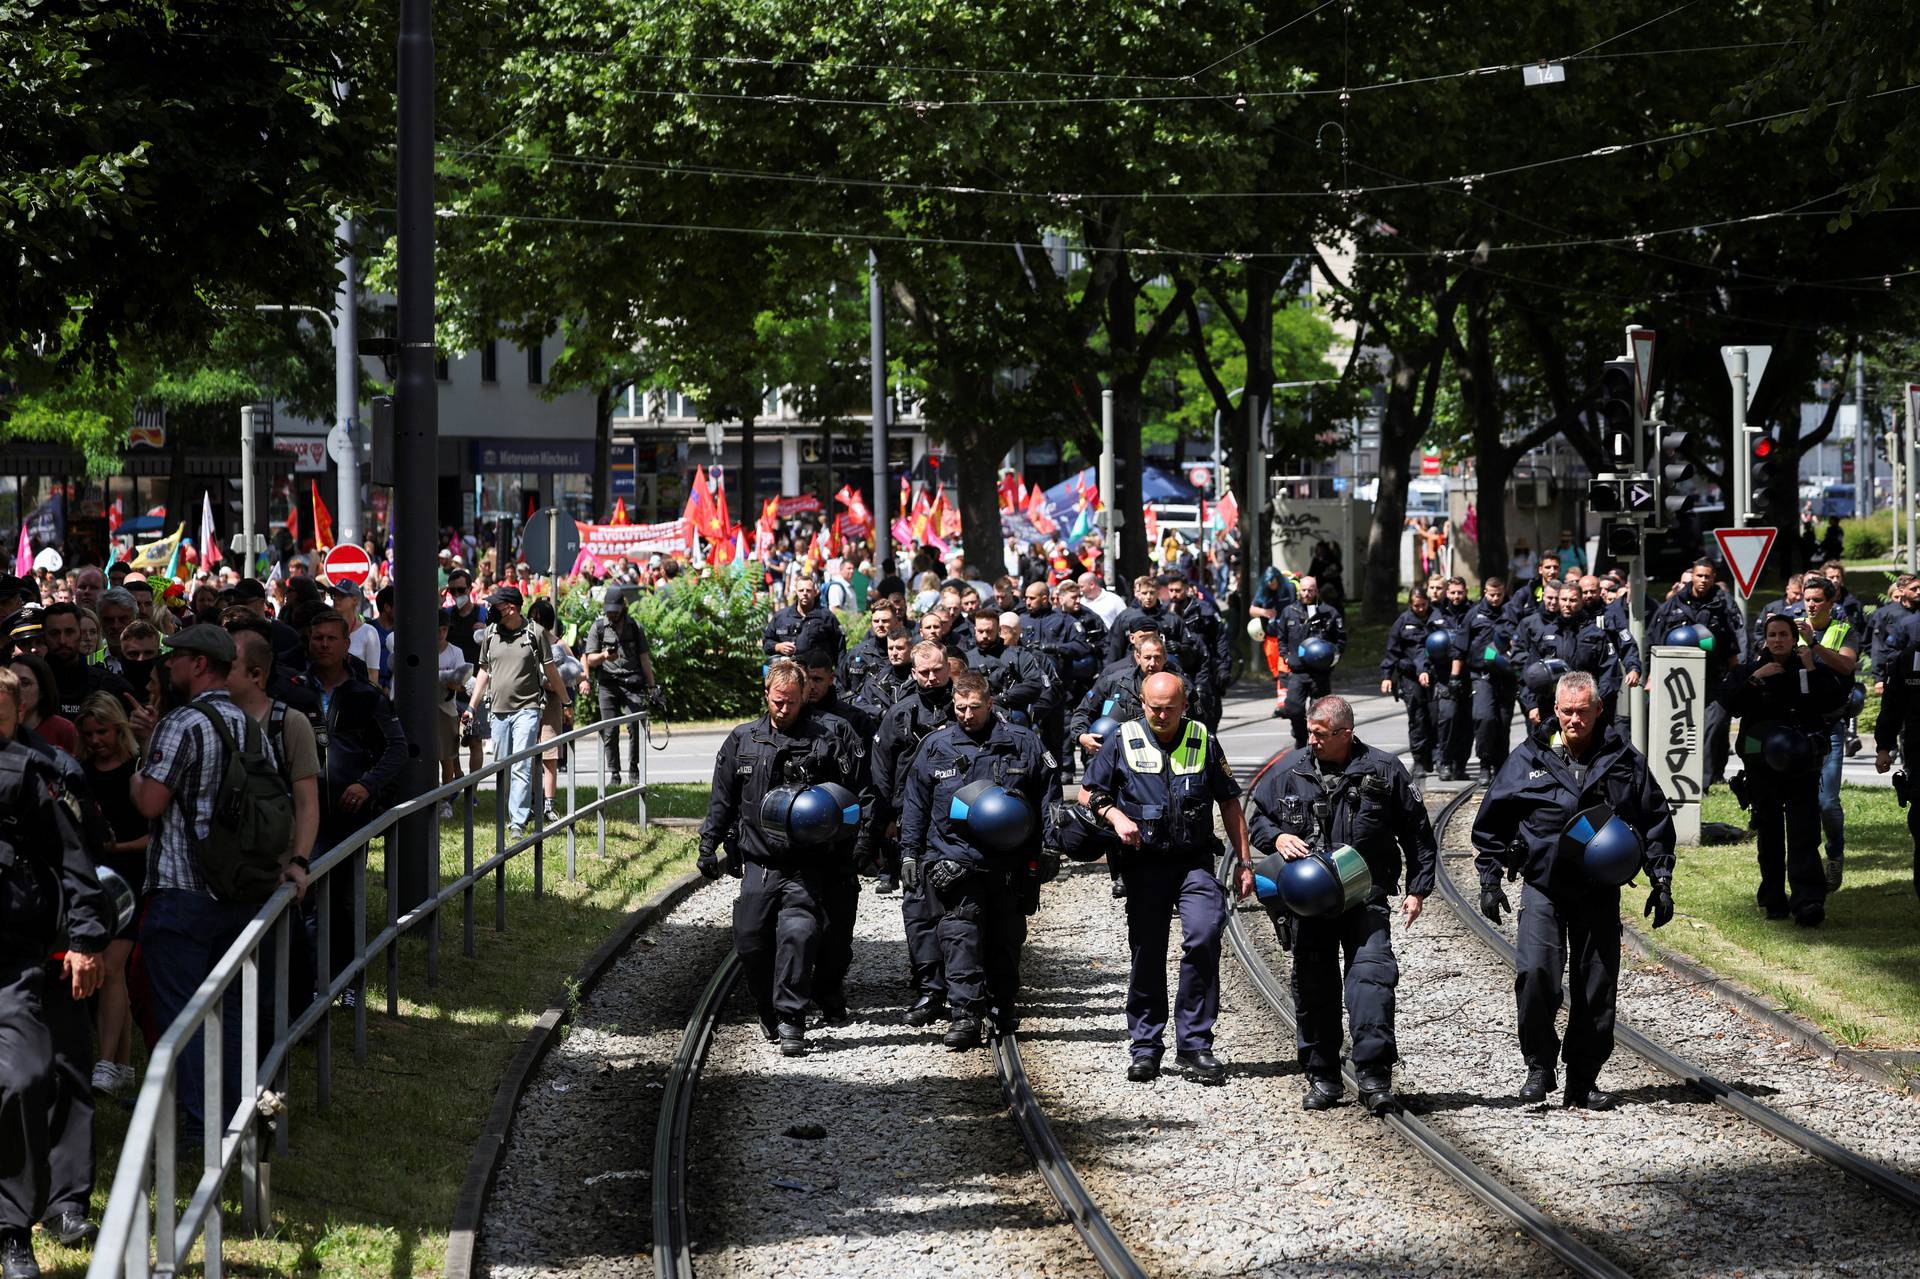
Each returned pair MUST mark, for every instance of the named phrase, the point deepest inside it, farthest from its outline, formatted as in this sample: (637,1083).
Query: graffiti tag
(1300,527)
(1683,733)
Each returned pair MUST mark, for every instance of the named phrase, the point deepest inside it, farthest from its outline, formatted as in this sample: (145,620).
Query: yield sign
(1745,550)
(1640,342)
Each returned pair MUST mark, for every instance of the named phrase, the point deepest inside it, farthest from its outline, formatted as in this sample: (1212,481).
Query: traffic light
(1604,497)
(1675,470)
(1619,423)
(1767,468)
(1621,538)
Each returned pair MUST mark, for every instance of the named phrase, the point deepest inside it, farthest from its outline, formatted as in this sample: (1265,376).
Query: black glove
(1660,903)
(708,863)
(1492,902)
(910,874)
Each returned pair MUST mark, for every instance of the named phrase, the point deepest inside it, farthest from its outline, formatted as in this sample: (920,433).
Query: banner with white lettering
(607,541)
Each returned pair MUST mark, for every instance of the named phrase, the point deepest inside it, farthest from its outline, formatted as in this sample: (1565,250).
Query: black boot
(1322,1094)
(1203,1066)
(793,1040)
(963,1034)
(926,1010)
(16,1256)
(1584,1094)
(1143,1070)
(1540,1082)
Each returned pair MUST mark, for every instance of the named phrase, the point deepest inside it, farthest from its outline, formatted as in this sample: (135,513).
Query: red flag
(722,517)
(1011,492)
(906,496)
(322,518)
(620,512)
(293,518)
(114,517)
(1228,510)
(699,512)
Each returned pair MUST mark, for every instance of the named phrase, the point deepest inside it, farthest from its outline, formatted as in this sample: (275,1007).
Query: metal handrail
(147,1157)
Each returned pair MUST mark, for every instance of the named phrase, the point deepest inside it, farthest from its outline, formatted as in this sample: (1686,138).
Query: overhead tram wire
(1254,44)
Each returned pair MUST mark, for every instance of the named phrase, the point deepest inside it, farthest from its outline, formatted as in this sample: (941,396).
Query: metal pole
(1256,488)
(1219,481)
(416,442)
(346,384)
(1861,457)
(1892,441)
(1637,625)
(1742,465)
(1906,487)
(1110,518)
(247,553)
(877,373)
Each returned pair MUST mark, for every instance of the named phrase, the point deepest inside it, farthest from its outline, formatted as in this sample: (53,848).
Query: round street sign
(1199,477)
(551,542)
(340,444)
(347,563)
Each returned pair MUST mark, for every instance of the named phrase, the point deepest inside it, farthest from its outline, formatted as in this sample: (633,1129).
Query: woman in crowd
(109,755)
(38,710)
(556,713)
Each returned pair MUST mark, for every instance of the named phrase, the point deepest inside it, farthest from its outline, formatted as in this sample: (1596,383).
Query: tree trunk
(748,490)
(1257,398)
(1401,426)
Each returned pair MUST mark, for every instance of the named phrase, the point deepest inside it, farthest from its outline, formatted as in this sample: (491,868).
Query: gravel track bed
(913,1167)
(1692,1021)
(1235,1180)
(1668,1184)
(575,1191)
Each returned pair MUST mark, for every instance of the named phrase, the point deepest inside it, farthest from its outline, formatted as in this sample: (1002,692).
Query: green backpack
(252,822)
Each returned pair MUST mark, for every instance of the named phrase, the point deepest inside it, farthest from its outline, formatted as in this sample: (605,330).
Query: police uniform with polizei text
(1115,695)
(1298,623)
(1564,916)
(1169,789)
(1399,665)
(818,628)
(780,911)
(50,900)
(1068,640)
(984,895)
(1493,667)
(1369,804)
(913,719)
(1452,695)
(1898,727)
(1784,721)
(860,662)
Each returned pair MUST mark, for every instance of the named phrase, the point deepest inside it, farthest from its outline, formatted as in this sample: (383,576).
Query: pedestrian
(1832,641)
(981,873)
(619,663)
(556,709)
(1443,671)
(840,881)
(1342,792)
(1157,782)
(1529,827)
(1400,677)
(780,912)
(1103,603)
(110,757)
(516,674)
(802,625)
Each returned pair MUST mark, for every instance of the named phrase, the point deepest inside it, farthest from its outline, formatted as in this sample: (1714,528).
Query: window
(534,377)
(489,361)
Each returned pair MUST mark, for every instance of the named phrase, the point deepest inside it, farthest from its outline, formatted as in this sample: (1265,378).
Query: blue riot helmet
(1609,850)
(809,816)
(1103,726)
(998,818)
(1079,835)
(1439,644)
(1315,654)
(1684,636)
(1543,675)
(1786,749)
(1320,884)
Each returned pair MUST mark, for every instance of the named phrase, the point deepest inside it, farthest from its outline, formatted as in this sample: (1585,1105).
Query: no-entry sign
(346,564)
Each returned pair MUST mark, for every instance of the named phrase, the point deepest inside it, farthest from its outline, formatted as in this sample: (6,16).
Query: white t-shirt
(364,643)
(453,663)
(1107,607)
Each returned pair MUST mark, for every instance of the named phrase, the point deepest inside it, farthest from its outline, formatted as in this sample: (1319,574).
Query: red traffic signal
(1763,448)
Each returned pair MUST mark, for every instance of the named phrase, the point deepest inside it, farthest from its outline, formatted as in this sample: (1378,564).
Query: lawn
(1854,975)
(368,1190)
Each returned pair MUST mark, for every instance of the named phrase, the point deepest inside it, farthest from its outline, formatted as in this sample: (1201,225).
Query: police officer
(1494,672)
(1899,724)
(1340,791)
(888,684)
(1785,702)
(1575,762)
(909,722)
(1060,636)
(784,881)
(984,878)
(1563,640)
(1092,628)
(1887,624)
(46,877)
(1789,605)
(1444,673)
(803,624)
(1156,782)
(1703,603)
(1210,629)
(1831,639)
(1023,686)
(1117,693)
(1530,597)
(1400,677)
(1616,620)
(619,665)
(842,893)
(862,660)
(1304,619)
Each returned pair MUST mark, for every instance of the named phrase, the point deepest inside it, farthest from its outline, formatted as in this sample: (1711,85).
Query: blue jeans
(1832,819)
(182,937)
(513,732)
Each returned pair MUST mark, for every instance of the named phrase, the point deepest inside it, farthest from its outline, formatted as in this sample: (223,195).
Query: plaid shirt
(187,758)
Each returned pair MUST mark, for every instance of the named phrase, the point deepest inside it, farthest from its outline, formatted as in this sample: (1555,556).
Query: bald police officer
(1156,782)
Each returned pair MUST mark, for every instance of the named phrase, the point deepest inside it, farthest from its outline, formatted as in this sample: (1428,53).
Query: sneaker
(446,809)
(515,834)
(105,1078)
(1835,871)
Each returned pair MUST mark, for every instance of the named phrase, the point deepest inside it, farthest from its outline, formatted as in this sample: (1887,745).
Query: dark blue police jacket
(1370,805)
(1169,790)
(1008,755)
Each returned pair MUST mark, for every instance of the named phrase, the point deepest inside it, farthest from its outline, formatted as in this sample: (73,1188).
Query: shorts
(553,722)
(132,867)
(448,735)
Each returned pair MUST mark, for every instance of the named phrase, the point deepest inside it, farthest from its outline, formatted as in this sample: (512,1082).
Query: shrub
(1868,537)
(705,638)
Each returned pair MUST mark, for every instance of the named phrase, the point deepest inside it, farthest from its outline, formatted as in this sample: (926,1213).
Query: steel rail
(1094,1229)
(672,1241)
(1477,1181)
(1899,1188)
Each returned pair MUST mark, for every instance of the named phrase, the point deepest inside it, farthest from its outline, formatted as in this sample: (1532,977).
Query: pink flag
(23,558)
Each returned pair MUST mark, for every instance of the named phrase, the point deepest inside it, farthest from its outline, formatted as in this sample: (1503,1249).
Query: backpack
(252,822)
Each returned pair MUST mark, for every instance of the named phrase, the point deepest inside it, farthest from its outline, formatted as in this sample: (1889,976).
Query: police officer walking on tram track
(1156,782)
(842,896)
(1340,791)
(50,901)
(806,623)
(1575,814)
(781,787)
(1494,673)
(971,825)
(1785,701)
(1832,640)
(1442,663)
(1400,677)
(909,722)
(1306,619)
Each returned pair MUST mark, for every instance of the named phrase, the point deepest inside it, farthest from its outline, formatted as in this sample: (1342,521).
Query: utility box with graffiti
(1300,523)
(1677,696)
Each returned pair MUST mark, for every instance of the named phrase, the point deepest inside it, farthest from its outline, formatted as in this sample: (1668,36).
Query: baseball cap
(204,639)
(506,595)
(351,589)
(249,588)
(11,585)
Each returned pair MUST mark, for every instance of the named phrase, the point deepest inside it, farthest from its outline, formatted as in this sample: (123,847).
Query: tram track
(672,1239)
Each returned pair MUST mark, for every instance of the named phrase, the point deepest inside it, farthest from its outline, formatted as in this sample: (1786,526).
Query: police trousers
(1453,721)
(920,914)
(70,1116)
(1297,692)
(1419,704)
(1159,887)
(777,921)
(840,898)
(1551,931)
(1363,938)
(27,1089)
(615,700)
(982,927)
(1833,818)
(1492,719)
(1786,824)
